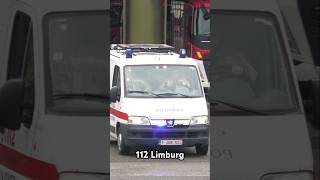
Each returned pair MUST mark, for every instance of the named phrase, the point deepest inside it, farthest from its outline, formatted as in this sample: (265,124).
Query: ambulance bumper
(151,135)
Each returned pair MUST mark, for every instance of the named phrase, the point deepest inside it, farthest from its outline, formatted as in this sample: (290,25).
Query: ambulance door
(114,106)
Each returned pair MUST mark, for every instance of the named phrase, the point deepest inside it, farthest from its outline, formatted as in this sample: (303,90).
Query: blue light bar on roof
(182,53)
(129,53)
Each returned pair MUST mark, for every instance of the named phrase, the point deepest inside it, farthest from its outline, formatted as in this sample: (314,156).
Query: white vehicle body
(258,147)
(55,145)
(300,49)
(178,108)
(308,73)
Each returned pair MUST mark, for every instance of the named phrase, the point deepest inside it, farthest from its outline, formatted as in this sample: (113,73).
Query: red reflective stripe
(119,114)
(27,166)
(197,4)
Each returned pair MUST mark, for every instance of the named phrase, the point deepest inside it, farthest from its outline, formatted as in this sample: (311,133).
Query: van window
(76,61)
(21,62)
(162,81)
(250,59)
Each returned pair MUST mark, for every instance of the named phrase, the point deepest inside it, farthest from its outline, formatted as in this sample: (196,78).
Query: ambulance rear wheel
(122,148)
(202,149)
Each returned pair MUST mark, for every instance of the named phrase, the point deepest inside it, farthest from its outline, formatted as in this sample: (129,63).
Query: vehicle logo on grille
(170,123)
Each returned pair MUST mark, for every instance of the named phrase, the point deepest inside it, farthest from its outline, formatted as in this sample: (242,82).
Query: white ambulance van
(157,98)
(53,81)
(259,126)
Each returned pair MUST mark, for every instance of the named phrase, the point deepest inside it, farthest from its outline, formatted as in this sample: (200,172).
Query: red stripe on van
(119,114)
(27,166)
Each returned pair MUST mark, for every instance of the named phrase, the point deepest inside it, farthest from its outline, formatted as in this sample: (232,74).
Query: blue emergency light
(160,123)
(182,53)
(129,53)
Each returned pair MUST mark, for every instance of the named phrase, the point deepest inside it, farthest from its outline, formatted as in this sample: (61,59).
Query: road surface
(193,167)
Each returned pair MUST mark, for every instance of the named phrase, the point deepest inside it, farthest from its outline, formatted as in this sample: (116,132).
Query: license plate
(170,142)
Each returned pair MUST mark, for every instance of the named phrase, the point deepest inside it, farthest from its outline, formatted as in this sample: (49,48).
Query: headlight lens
(82,176)
(196,120)
(289,176)
(138,120)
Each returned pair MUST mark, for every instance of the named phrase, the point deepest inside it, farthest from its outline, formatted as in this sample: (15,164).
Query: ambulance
(156,98)
(53,86)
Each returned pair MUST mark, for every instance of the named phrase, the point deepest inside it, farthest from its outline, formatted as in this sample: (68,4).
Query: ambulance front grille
(168,134)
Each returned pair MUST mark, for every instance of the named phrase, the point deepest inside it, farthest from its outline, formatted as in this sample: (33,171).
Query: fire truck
(197,42)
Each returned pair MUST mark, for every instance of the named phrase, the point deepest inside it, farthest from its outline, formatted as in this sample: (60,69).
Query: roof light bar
(182,53)
(129,53)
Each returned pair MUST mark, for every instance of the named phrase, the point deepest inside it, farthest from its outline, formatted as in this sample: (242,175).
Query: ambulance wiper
(144,92)
(79,95)
(173,94)
(242,108)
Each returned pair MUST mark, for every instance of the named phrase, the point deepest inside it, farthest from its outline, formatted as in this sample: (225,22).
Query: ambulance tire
(122,148)
(202,149)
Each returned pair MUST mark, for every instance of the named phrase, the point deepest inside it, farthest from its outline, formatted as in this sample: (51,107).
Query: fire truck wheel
(122,148)
(201,149)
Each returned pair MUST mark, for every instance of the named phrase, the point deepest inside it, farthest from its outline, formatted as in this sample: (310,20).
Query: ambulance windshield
(76,59)
(249,65)
(162,81)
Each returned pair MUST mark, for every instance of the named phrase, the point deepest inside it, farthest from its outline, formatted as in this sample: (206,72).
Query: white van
(53,81)
(157,98)
(259,125)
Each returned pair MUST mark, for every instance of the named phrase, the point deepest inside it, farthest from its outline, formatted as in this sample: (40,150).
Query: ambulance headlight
(138,120)
(289,176)
(82,176)
(196,120)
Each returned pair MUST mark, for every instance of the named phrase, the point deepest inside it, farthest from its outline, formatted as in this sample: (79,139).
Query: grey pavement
(129,167)
(193,167)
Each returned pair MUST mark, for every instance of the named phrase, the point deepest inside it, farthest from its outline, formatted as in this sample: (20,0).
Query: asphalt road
(129,167)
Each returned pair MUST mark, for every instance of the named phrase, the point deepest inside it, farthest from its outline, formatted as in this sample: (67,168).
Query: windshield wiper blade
(79,95)
(242,108)
(144,92)
(174,94)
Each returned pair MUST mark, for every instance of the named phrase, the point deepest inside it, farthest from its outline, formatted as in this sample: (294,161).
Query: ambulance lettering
(8,138)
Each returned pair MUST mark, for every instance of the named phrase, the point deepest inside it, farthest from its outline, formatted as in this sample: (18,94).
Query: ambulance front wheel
(202,149)
(122,148)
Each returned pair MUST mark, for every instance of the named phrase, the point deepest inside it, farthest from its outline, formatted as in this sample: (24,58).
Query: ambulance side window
(116,79)
(21,62)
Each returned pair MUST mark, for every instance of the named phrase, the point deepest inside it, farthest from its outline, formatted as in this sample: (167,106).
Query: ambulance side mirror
(206,92)
(11,100)
(206,88)
(114,94)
